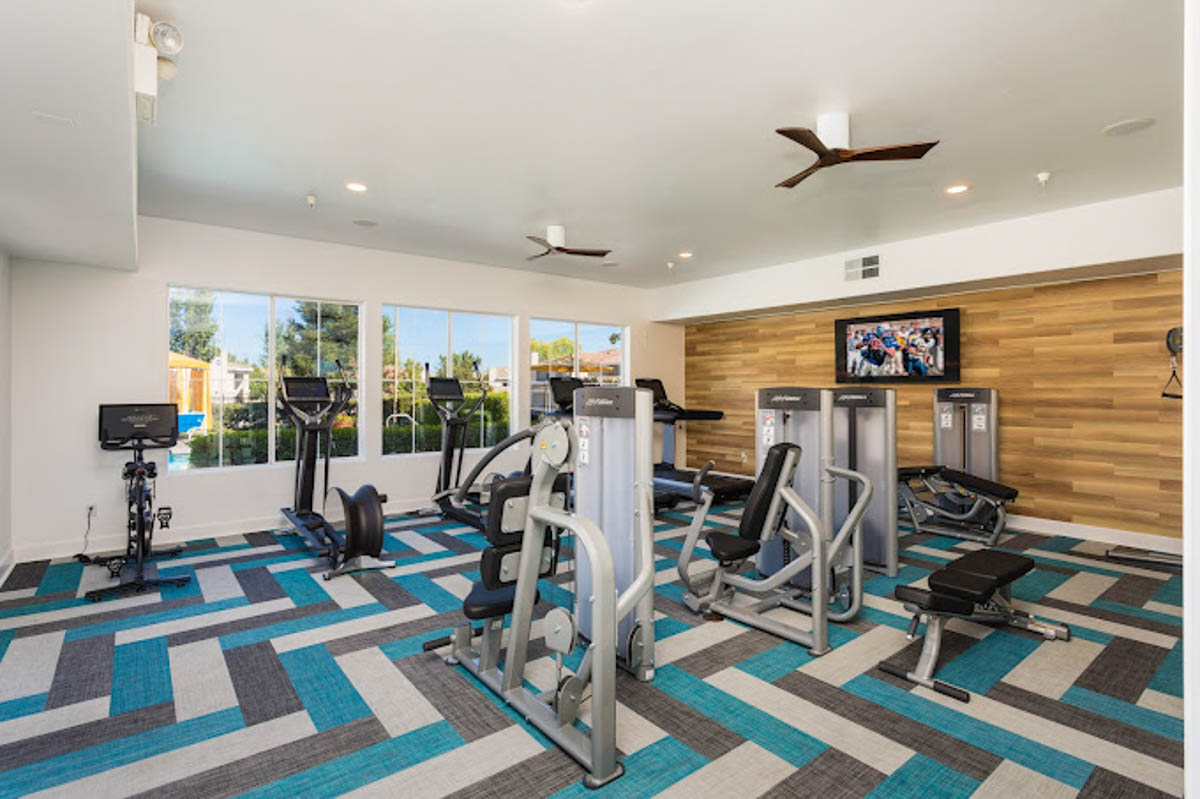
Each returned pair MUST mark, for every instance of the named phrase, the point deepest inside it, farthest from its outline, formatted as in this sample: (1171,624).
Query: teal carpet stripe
(701,551)
(1073,566)
(190,588)
(1171,592)
(927,778)
(1042,759)
(988,661)
(43,607)
(26,705)
(686,518)
(112,754)
(908,553)
(301,587)
(284,557)
(1060,543)
(746,720)
(1169,677)
(253,636)
(648,771)
(1124,712)
(662,564)
(488,695)
(60,578)
(474,539)
(893,620)
(554,594)
(673,591)
(407,647)
(884,586)
(786,657)
(1039,582)
(429,592)
(667,626)
(6,637)
(943,542)
(1141,613)
(328,695)
(141,676)
(1087,633)
(132,622)
(396,548)
(345,773)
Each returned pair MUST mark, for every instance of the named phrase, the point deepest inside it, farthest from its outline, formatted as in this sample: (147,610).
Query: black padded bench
(946,501)
(976,587)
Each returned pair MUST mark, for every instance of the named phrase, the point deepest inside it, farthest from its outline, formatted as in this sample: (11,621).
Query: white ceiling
(647,127)
(67,132)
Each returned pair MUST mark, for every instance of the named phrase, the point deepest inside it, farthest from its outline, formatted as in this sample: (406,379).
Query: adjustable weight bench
(976,587)
(946,501)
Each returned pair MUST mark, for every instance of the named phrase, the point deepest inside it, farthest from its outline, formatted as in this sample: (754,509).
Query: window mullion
(272,351)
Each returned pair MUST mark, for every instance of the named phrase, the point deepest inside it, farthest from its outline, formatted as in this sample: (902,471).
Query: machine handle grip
(698,480)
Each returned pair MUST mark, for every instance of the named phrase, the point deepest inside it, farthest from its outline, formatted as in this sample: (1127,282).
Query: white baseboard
(1088,532)
(6,564)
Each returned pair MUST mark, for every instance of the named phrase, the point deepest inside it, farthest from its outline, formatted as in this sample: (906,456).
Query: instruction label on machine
(947,418)
(582,428)
(768,429)
(978,417)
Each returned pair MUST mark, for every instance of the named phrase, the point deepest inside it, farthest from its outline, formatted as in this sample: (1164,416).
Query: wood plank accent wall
(1084,433)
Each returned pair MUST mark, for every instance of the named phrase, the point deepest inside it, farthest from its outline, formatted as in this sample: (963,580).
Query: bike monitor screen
(306,389)
(445,388)
(155,424)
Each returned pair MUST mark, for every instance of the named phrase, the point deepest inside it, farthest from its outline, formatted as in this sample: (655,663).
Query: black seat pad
(1003,566)
(979,485)
(934,602)
(482,603)
(963,584)
(728,547)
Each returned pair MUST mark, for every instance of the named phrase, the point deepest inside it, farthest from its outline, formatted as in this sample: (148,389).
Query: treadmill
(725,487)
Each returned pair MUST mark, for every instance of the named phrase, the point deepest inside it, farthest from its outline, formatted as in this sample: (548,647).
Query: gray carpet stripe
(953,645)
(1023,541)
(259,585)
(1133,589)
(727,653)
(675,610)
(102,616)
(385,590)
(260,539)
(1172,630)
(1109,729)
(249,623)
(959,755)
(540,775)
(1105,784)
(1123,670)
(471,715)
(230,779)
(396,632)
(84,671)
(690,727)
(25,575)
(920,563)
(33,601)
(60,742)
(830,775)
(451,543)
(261,683)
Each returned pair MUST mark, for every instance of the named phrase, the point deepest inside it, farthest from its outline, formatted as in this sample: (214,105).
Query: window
(220,372)
(475,348)
(594,353)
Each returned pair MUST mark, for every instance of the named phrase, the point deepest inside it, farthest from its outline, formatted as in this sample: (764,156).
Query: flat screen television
(913,347)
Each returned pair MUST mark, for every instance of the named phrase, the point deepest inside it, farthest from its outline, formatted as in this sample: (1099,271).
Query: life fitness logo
(847,397)
(785,398)
(599,401)
(963,395)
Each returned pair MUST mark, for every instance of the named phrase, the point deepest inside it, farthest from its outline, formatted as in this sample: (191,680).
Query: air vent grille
(862,268)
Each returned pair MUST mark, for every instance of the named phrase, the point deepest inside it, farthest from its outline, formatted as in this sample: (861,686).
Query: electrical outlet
(743,456)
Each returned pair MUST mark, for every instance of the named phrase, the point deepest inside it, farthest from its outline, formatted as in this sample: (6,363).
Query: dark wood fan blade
(539,255)
(794,179)
(891,152)
(805,138)
(581,251)
(540,241)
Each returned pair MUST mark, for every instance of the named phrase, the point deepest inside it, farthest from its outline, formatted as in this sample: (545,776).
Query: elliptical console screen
(306,389)
(445,388)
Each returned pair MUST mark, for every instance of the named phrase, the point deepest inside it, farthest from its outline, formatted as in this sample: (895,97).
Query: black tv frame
(950,333)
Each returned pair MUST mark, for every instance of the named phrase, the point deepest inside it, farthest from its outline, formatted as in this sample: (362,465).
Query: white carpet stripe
(218,582)
(26,593)
(418,541)
(1098,624)
(344,590)
(690,641)
(746,770)
(29,664)
(1082,588)
(78,611)
(634,731)
(459,768)
(202,620)
(200,679)
(209,557)
(1163,703)
(1110,565)
(456,584)
(53,720)
(1054,666)
(93,577)
(1163,607)
(1012,779)
(1143,768)
(398,705)
(331,632)
(877,751)
(436,563)
(696,567)
(855,657)
(150,773)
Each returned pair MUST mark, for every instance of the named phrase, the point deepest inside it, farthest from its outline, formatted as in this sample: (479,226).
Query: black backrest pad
(493,558)
(504,489)
(980,485)
(759,502)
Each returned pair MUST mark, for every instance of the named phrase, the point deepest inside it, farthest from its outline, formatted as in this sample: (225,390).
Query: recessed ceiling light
(957,188)
(365,222)
(356,187)
(1127,126)
(685,255)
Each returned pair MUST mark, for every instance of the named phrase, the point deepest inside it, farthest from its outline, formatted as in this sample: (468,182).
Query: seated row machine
(945,501)
(976,587)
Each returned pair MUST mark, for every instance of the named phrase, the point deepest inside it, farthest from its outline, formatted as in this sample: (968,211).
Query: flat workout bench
(976,587)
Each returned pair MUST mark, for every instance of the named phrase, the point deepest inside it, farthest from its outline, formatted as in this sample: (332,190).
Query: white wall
(83,336)
(1191,407)
(1127,229)
(6,552)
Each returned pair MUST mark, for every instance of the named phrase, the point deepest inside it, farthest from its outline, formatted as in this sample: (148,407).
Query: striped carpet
(259,678)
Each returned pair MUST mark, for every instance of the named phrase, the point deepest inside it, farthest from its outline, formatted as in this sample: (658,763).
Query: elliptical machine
(456,412)
(313,409)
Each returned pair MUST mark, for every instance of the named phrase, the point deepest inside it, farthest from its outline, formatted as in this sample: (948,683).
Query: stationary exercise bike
(138,428)
(313,409)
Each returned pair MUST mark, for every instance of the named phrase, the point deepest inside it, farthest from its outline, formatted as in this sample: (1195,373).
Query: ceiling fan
(555,243)
(831,143)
